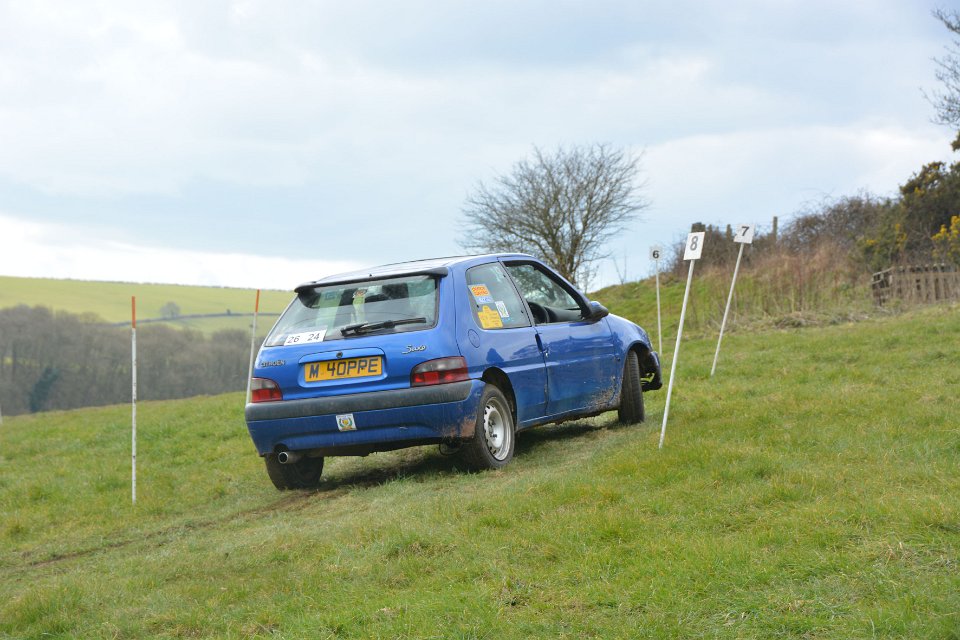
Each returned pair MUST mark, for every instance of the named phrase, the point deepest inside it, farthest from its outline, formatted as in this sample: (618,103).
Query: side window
(548,300)
(495,302)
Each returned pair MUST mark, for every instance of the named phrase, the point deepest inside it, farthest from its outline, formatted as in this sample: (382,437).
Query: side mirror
(597,311)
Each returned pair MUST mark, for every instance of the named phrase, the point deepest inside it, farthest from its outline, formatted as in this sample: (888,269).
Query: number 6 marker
(655,253)
(692,253)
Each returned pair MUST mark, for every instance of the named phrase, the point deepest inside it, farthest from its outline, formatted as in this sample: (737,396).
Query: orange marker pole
(253,343)
(133,437)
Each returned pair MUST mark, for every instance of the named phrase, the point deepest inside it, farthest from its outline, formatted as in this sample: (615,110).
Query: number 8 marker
(692,253)
(694,246)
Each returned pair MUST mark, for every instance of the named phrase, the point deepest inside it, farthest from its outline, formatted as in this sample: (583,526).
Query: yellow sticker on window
(479,290)
(489,319)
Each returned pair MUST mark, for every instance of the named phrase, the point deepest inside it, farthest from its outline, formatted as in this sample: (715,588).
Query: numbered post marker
(694,246)
(744,233)
(655,252)
(744,236)
(692,252)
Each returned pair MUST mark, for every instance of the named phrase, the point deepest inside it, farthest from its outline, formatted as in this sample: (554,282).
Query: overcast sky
(263,144)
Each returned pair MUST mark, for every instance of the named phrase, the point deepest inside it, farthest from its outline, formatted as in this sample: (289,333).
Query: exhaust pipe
(288,457)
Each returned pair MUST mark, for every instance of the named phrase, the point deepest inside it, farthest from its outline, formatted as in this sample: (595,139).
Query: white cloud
(754,175)
(33,249)
(145,99)
(779,170)
(372,121)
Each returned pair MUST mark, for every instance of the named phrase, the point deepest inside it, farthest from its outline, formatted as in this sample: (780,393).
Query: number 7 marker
(744,236)
(692,252)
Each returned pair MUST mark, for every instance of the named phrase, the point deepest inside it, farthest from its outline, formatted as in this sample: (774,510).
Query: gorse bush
(947,242)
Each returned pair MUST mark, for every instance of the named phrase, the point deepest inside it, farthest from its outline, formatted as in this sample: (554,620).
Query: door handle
(540,344)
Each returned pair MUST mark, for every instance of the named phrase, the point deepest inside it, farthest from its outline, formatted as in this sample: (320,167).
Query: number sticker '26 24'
(694,246)
(306,338)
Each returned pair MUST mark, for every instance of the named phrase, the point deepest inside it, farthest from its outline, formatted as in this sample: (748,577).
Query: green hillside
(810,490)
(111,300)
(764,297)
(768,296)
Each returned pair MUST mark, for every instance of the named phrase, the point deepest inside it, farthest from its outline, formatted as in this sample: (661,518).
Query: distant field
(811,489)
(633,300)
(111,300)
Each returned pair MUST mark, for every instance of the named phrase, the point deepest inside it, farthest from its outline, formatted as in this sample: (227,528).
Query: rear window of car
(335,312)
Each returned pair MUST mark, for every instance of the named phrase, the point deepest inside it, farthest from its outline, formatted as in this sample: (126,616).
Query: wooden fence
(925,283)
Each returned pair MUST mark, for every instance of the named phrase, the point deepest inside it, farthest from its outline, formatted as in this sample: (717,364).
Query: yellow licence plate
(342,369)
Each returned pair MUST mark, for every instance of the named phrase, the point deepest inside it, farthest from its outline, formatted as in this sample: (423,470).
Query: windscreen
(335,312)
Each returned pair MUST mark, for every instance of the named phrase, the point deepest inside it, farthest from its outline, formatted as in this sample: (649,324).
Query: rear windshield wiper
(365,327)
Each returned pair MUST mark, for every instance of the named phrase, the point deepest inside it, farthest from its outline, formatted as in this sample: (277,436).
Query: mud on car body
(463,352)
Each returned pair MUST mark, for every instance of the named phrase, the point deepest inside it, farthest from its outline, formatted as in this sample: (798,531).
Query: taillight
(264,390)
(439,371)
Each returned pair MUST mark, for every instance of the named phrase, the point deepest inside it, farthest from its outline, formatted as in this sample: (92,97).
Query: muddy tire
(493,440)
(631,392)
(302,474)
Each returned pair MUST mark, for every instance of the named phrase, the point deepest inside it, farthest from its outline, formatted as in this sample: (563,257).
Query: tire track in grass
(411,463)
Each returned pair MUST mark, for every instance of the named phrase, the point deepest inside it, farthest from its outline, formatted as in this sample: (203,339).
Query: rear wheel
(492,444)
(631,392)
(302,474)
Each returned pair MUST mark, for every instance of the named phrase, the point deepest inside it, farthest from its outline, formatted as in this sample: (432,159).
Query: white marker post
(133,352)
(744,236)
(692,253)
(253,342)
(655,253)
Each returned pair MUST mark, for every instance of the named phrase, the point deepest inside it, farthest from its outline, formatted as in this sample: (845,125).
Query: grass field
(111,300)
(810,490)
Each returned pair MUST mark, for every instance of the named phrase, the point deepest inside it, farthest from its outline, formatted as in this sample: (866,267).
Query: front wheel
(302,474)
(492,444)
(631,392)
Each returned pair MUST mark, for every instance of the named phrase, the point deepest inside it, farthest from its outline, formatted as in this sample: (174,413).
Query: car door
(502,335)
(581,361)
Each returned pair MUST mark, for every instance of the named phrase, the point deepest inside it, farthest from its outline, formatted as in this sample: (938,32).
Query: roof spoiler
(439,272)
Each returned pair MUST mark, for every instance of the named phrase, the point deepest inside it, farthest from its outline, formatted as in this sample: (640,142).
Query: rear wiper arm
(364,327)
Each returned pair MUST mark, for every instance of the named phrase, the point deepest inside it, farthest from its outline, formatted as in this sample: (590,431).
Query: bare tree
(621,275)
(947,101)
(562,207)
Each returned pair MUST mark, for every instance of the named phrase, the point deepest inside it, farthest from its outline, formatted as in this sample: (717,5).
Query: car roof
(433,266)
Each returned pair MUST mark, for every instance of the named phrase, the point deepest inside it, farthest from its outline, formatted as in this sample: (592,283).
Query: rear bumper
(384,420)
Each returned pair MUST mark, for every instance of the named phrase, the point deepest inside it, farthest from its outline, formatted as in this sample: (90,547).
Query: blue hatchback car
(463,352)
